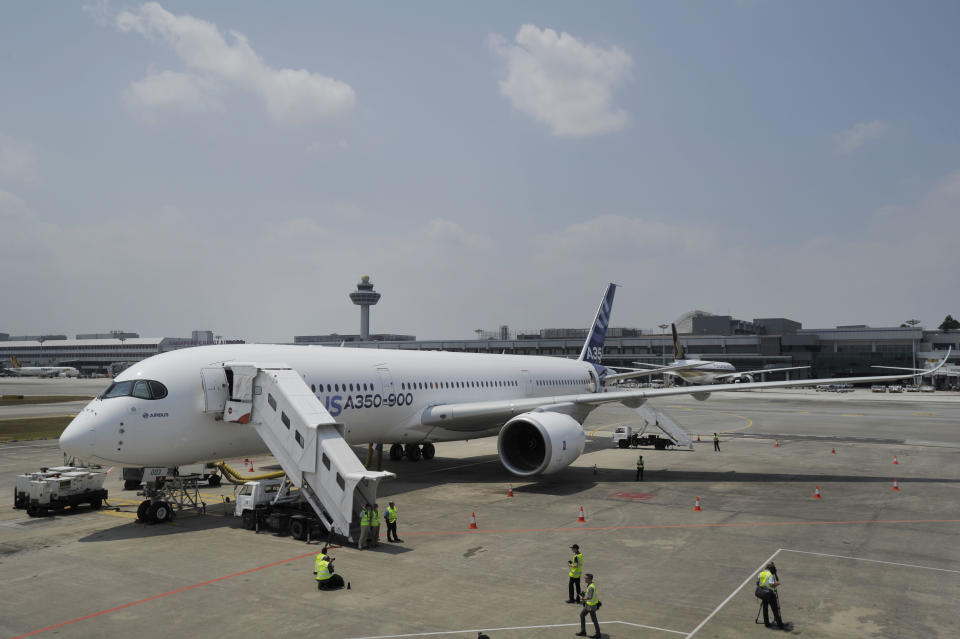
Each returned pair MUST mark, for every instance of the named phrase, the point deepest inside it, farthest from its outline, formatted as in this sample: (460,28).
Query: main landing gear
(413,452)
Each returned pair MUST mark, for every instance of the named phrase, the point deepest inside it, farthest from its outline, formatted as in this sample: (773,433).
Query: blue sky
(238,166)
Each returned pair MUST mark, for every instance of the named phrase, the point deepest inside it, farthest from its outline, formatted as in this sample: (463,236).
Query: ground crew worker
(767,583)
(391,517)
(364,527)
(576,568)
(375,524)
(323,569)
(716,442)
(591,601)
(639,468)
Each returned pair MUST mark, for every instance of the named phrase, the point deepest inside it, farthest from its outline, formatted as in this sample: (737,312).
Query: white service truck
(624,437)
(58,488)
(270,504)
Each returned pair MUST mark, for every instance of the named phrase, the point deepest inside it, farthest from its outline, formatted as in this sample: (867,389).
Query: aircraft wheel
(160,512)
(130,484)
(623,443)
(412,451)
(429,450)
(298,529)
(142,510)
(396,452)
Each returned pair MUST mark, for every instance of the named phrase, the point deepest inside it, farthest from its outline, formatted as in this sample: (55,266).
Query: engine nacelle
(540,443)
(701,396)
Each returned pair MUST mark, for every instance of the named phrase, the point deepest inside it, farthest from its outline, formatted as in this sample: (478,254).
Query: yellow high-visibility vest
(365,518)
(766,580)
(577,566)
(323,568)
(640,462)
(391,515)
(591,595)
(375,517)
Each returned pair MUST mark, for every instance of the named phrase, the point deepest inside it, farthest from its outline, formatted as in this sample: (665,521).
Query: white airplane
(700,372)
(178,408)
(16,368)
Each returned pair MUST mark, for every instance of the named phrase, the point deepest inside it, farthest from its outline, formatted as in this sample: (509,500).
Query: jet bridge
(304,438)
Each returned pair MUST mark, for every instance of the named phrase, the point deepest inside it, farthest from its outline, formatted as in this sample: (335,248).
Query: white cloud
(17,160)
(563,82)
(170,89)
(861,133)
(292,96)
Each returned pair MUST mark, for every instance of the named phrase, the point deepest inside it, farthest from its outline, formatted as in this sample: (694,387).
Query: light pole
(912,323)
(663,342)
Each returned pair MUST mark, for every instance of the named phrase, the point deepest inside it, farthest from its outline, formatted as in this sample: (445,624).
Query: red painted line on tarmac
(166,594)
(501,531)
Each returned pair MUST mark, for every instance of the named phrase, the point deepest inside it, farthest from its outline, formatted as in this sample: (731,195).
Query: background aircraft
(699,371)
(16,368)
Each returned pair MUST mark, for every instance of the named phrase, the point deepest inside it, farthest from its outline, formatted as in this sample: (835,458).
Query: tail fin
(15,362)
(677,346)
(593,348)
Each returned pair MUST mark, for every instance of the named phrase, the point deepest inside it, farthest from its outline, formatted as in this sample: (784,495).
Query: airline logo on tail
(593,347)
(677,346)
(15,362)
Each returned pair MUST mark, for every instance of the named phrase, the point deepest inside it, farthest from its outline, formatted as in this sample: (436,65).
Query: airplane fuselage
(704,372)
(378,395)
(44,371)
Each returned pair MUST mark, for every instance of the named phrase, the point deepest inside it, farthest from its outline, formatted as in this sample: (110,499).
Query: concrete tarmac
(862,561)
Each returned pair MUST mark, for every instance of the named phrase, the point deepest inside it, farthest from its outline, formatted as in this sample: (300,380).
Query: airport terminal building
(763,343)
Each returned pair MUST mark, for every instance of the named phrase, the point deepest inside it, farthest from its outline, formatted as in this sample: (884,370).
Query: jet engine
(701,396)
(540,443)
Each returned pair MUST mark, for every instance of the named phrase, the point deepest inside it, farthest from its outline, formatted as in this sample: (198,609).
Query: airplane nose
(78,439)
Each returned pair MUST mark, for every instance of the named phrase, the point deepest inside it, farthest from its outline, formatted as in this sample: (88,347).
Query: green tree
(949,324)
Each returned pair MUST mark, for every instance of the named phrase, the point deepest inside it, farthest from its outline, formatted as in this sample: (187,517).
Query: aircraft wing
(760,370)
(647,372)
(476,416)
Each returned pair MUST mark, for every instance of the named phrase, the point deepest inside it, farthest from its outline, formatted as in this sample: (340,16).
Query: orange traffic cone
(816,493)
(696,506)
(251,467)
(896,486)
(510,491)
(698,437)
(473,521)
(777,445)
(895,462)
(833,451)
(580,517)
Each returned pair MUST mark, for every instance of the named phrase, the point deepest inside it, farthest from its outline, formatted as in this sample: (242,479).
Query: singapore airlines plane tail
(678,353)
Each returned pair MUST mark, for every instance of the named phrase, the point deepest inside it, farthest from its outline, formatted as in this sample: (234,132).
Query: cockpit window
(159,390)
(119,389)
(141,389)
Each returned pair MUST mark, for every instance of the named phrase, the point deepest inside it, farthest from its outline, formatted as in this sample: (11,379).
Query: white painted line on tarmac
(873,561)
(472,630)
(750,578)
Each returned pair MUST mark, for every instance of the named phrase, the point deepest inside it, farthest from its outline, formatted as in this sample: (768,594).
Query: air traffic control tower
(365,297)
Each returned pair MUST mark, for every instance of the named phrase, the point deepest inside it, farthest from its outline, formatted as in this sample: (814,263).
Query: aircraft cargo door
(215,389)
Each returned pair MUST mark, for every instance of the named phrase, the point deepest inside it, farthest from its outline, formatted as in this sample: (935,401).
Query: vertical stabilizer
(678,353)
(15,362)
(593,348)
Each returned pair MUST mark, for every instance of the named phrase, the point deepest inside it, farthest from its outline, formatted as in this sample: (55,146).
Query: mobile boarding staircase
(305,439)
(667,424)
